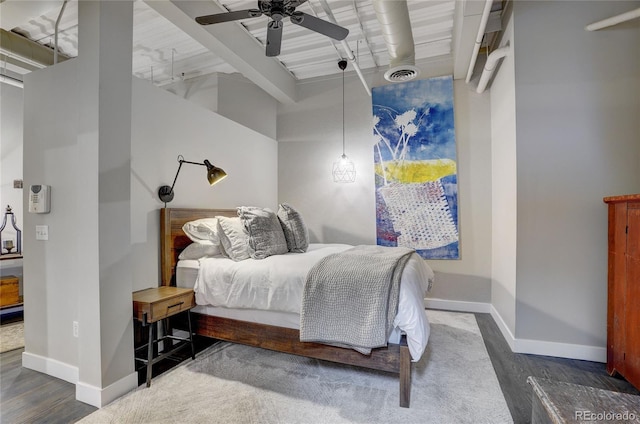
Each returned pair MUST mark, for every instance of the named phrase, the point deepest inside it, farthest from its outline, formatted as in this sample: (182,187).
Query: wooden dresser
(623,314)
(9,290)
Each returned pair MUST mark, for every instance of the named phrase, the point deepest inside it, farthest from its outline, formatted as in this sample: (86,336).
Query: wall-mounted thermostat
(39,198)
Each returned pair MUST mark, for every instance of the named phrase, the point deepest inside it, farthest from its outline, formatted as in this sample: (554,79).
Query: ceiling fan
(278,10)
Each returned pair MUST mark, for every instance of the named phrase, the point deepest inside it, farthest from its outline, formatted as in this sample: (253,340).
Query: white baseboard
(50,367)
(504,328)
(84,392)
(561,350)
(98,397)
(546,348)
(457,305)
(532,347)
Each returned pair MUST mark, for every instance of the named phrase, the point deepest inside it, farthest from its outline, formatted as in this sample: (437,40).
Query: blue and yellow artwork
(416,168)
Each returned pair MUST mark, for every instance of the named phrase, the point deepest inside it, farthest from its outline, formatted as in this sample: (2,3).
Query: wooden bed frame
(393,358)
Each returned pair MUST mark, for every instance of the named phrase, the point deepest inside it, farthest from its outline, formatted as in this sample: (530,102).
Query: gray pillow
(265,233)
(233,238)
(295,232)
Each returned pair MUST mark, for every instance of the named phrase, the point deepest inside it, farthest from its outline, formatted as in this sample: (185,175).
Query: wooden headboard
(173,240)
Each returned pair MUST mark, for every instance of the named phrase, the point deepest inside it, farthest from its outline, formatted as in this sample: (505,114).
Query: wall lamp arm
(214,174)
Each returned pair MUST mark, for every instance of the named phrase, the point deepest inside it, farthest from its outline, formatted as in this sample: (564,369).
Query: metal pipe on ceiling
(490,66)
(476,47)
(614,20)
(346,47)
(6,79)
(55,36)
(364,34)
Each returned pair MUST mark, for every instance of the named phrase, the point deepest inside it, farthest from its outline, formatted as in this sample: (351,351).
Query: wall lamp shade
(214,175)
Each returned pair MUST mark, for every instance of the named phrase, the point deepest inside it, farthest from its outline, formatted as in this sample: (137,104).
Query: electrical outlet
(42,232)
(75,328)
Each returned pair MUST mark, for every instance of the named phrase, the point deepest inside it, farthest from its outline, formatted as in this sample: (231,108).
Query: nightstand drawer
(169,307)
(154,304)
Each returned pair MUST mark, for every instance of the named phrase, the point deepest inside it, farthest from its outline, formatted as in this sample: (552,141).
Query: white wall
(310,140)
(503,187)
(163,126)
(232,96)
(242,101)
(10,152)
(577,108)
(11,169)
(50,156)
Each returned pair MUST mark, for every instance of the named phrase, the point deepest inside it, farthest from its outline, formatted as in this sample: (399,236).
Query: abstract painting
(416,168)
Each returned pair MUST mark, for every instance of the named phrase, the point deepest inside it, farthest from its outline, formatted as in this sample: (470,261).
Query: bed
(275,331)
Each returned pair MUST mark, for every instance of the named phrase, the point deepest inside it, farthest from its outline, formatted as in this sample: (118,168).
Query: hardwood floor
(30,397)
(513,369)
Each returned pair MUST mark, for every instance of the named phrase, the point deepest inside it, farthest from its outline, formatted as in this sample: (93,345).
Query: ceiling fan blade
(318,25)
(228,16)
(274,38)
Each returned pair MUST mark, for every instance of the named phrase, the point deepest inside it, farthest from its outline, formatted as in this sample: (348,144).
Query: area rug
(11,336)
(454,382)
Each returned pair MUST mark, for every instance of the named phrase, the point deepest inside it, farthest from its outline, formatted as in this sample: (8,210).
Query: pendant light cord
(343,112)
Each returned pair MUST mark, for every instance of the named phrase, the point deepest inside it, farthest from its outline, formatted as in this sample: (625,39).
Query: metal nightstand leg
(193,350)
(150,353)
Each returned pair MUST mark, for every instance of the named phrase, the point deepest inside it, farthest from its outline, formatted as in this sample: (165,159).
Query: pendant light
(344,171)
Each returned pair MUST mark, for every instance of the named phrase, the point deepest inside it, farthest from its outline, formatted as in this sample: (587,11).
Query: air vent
(401,73)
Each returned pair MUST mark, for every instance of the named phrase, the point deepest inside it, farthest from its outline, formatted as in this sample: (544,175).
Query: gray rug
(454,382)
(11,336)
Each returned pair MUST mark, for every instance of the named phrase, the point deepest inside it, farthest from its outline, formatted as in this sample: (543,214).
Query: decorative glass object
(8,244)
(344,171)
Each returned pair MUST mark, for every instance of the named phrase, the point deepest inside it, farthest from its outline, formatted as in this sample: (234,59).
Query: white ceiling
(168,44)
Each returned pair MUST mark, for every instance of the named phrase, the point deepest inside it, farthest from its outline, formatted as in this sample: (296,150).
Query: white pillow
(233,238)
(202,229)
(200,249)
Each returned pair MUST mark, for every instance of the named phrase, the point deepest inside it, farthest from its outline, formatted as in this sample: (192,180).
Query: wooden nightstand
(156,305)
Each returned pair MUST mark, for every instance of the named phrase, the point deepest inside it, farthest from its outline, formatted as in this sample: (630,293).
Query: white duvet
(276,284)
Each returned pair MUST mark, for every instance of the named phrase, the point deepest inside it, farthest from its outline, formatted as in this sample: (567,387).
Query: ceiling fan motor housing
(277,10)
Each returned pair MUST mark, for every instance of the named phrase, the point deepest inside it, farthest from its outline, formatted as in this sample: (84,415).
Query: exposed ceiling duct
(490,67)
(393,17)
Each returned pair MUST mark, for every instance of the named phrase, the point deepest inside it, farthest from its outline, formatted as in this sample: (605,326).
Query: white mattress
(251,301)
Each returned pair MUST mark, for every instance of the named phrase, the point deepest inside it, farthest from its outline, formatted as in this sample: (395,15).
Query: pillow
(233,238)
(295,231)
(202,229)
(265,232)
(200,249)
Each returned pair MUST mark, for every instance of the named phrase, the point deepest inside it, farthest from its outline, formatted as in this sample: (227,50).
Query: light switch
(42,232)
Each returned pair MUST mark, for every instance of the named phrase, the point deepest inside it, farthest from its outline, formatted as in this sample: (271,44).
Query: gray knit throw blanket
(350,299)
